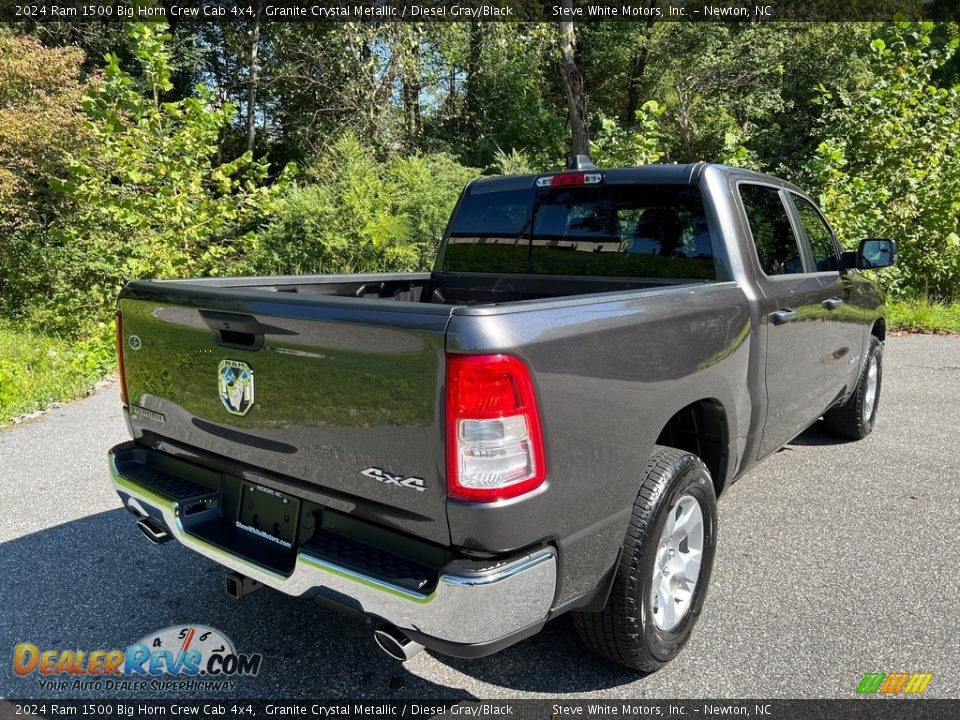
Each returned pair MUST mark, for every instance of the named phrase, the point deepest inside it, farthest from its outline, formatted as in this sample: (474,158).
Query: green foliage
(37,369)
(515,162)
(153,199)
(617,146)
(509,96)
(360,214)
(923,315)
(887,165)
(118,167)
(41,125)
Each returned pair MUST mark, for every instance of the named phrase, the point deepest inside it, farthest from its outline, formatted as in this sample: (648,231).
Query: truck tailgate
(337,394)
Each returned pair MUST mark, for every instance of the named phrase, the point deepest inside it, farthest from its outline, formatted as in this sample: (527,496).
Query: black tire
(851,420)
(624,631)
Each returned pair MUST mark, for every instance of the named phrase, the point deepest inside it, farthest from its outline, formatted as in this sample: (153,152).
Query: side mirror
(873,253)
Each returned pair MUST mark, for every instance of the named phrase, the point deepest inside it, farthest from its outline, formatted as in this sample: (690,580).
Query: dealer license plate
(269,514)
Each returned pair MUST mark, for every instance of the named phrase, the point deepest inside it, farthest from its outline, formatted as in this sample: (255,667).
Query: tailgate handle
(232,330)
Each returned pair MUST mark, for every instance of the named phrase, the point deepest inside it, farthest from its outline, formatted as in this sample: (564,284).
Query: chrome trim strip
(465,609)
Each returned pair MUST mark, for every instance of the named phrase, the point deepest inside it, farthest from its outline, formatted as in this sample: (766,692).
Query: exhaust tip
(395,643)
(153,531)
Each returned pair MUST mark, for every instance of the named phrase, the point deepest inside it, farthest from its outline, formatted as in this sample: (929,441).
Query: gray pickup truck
(541,425)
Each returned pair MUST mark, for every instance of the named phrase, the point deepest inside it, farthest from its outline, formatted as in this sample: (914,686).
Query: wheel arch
(702,428)
(879,329)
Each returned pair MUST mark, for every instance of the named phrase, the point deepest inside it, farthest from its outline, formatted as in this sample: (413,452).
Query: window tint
(493,215)
(615,230)
(777,247)
(818,234)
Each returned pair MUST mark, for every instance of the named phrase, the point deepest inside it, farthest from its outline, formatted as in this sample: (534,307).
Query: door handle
(832,303)
(783,315)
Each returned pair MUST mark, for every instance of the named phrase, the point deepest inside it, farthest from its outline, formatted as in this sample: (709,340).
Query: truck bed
(437,288)
(348,393)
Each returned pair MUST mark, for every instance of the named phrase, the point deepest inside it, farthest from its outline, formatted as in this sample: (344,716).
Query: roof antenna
(580,162)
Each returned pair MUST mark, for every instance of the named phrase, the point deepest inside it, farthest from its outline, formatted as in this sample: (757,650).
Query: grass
(37,370)
(923,315)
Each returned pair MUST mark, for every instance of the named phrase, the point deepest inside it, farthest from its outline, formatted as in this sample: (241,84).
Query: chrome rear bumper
(479,606)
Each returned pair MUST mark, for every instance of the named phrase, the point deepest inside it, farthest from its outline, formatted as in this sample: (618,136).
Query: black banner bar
(626,709)
(223,11)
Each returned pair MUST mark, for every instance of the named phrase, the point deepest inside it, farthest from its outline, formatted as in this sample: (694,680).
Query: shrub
(616,146)
(41,126)
(888,162)
(152,199)
(359,214)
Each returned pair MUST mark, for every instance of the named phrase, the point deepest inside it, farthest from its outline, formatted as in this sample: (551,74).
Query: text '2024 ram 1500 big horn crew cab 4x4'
(540,425)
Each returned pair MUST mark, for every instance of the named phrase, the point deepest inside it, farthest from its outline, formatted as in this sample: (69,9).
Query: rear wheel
(664,568)
(855,418)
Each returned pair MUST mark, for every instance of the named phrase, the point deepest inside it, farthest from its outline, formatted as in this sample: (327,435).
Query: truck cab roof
(666,174)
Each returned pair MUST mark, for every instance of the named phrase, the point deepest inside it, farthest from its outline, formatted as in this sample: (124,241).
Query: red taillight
(494,443)
(120,368)
(572,178)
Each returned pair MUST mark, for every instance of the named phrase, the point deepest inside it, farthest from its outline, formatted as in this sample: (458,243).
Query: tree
(41,125)
(154,200)
(409,49)
(573,88)
(887,163)
(361,214)
(252,82)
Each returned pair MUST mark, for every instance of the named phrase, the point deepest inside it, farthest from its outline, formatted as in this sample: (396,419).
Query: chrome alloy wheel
(870,396)
(677,565)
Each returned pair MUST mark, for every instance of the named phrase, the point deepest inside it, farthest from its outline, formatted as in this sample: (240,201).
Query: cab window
(818,234)
(777,247)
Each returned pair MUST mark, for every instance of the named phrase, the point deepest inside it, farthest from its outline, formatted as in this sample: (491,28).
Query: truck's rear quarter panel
(609,374)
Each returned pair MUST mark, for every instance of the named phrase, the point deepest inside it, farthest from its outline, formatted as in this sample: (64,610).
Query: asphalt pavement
(834,559)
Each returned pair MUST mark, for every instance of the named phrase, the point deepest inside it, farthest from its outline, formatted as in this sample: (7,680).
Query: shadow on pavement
(551,662)
(95,583)
(817,436)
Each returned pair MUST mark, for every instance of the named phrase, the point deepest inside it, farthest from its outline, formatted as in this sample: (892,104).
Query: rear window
(656,231)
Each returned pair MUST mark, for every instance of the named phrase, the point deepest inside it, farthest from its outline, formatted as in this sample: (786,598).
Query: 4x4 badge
(414,483)
(235,383)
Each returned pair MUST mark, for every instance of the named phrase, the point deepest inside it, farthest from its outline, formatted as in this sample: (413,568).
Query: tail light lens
(494,443)
(120,368)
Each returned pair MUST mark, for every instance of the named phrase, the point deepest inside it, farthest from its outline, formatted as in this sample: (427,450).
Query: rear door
(794,332)
(339,395)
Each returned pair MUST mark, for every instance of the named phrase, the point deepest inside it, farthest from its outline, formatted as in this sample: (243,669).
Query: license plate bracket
(269,514)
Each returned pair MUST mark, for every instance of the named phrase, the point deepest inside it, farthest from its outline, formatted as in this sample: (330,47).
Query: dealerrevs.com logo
(879,683)
(184,657)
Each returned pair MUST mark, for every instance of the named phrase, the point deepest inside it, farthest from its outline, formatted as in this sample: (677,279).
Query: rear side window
(492,215)
(777,247)
(617,230)
(818,234)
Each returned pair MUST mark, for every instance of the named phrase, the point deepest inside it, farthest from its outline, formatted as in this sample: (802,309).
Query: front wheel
(664,568)
(856,417)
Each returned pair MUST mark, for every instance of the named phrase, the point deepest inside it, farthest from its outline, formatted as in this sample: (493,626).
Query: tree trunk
(472,103)
(637,68)
(573,87)
(252,86)
(411,85)
(452,91)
